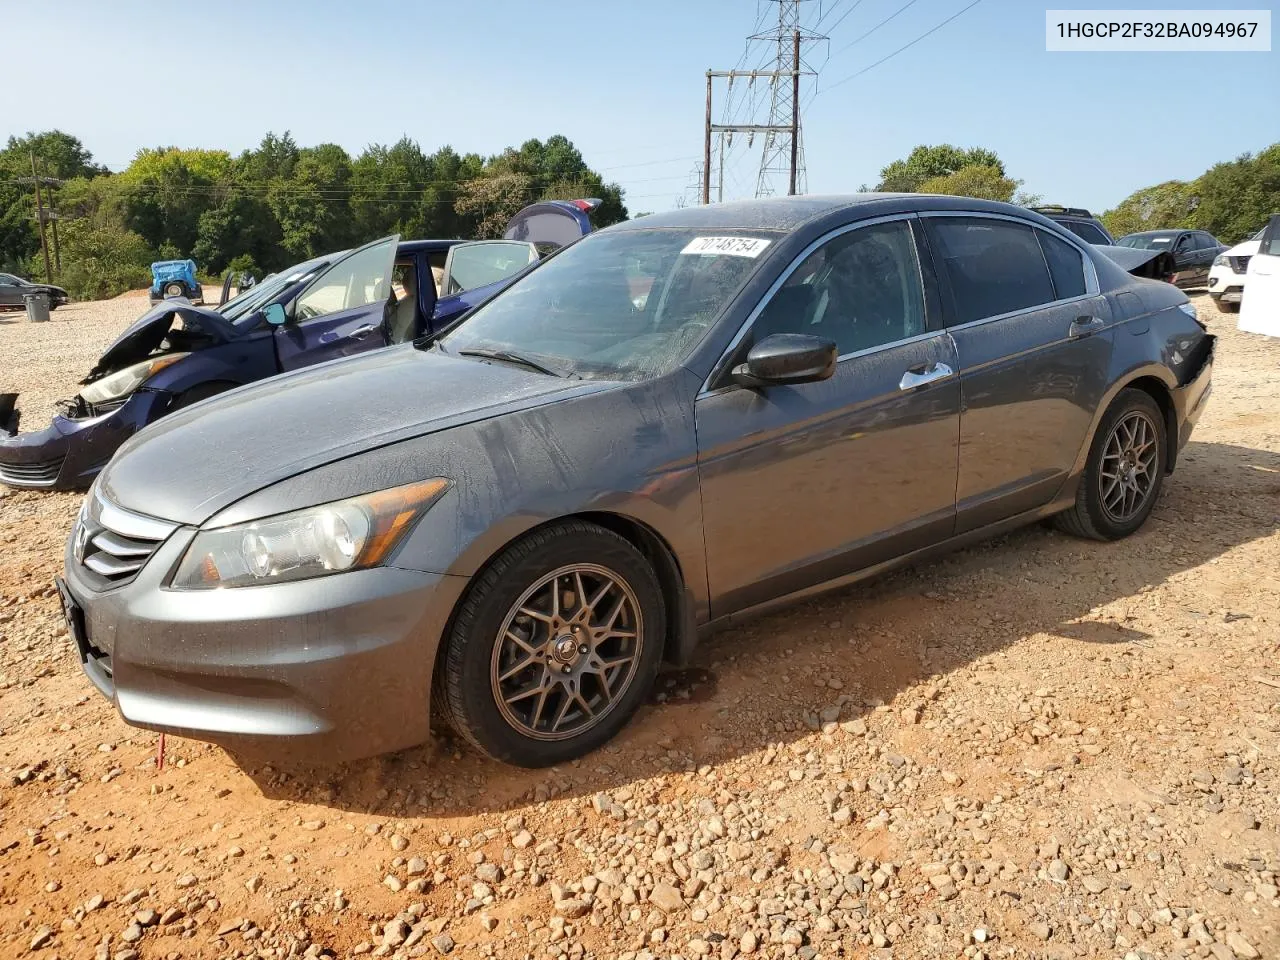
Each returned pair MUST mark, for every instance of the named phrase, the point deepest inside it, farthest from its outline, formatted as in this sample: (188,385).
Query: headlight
(333,538)
(1220,260)
(124,382)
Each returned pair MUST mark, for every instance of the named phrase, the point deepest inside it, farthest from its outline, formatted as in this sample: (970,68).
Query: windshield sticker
(727,246)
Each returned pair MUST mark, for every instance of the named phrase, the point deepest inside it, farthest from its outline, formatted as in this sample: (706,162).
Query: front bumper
(67,454)
(320,670)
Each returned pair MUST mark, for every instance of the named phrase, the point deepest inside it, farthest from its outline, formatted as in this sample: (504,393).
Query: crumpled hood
(146,333)
(199,460)
(1138,261)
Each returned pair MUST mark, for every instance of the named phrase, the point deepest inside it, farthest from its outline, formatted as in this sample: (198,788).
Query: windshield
(1141,241)
(243,305)
(616,306)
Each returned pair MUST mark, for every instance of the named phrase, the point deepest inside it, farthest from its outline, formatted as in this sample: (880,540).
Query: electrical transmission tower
(783,152)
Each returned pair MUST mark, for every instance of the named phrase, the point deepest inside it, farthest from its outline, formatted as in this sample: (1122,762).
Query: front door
(1260,306)
(1033,339)
(345,310)
(802,484)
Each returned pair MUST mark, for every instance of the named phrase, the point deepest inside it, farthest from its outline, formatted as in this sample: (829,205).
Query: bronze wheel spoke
(577,682)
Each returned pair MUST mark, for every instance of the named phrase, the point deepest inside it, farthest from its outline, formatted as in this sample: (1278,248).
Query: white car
(1226,276)
(1260,312)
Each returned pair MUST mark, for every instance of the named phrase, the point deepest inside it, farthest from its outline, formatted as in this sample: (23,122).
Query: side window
(1185,243)
(360,279)
(1207,242)
(1066,265)
(994,266)
(861,290)
(1270,242)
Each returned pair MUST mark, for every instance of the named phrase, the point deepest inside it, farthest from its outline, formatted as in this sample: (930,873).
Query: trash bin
(37,307)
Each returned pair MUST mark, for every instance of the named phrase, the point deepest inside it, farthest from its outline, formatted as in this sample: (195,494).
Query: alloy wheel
(1128,472)
(567,651)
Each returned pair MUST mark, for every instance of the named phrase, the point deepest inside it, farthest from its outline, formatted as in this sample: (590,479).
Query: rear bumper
(320,670)
(67,454)
(1191,398)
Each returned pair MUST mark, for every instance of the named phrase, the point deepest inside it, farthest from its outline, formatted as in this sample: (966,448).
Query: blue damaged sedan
(667,423)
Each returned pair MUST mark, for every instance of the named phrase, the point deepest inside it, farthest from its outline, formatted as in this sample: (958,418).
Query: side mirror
(274,314)
(787,358)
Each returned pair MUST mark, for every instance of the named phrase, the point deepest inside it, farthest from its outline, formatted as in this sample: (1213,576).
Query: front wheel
(554,646)
(174,290)
(1125,470)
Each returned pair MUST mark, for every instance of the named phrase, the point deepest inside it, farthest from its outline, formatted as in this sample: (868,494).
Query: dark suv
(1079,221)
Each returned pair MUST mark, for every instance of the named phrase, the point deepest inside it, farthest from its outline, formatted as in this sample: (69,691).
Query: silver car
(665,424)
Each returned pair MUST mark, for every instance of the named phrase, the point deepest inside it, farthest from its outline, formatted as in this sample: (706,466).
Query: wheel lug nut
(582,648)
(566,669)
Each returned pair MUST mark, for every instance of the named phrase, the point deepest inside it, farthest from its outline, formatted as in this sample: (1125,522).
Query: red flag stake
(160,753)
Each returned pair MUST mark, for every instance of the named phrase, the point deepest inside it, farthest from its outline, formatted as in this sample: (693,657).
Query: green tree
(930,162)
(312,205)
(974,180)
(102,260)
(1237,197)
(168,189)
(1166,205)
(490,201)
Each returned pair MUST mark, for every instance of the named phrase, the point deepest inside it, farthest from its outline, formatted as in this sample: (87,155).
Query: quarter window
(1066,265)
(861,290)
(994,266)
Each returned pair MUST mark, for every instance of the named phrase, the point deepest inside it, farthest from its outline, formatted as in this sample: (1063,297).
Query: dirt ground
(1039,747)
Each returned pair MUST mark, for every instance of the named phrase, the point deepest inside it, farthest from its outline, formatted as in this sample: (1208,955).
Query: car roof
(790,213)
(1169,232)
(430,246)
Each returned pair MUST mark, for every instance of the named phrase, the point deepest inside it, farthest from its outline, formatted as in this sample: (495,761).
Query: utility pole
(706,150)
(44,243)
(53,221)
(783,149)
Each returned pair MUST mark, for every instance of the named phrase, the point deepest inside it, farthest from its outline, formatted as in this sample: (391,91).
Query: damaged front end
(113,404)
(1148,264)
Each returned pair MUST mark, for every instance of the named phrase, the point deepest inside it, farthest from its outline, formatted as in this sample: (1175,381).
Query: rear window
(995,266)
(1088,232)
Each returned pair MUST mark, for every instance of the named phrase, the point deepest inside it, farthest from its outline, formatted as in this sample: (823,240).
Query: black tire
(1090,517)
(175,289)
(1225,306)
(467,672)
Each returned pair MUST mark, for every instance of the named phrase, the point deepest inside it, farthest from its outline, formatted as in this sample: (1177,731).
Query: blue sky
(625,81)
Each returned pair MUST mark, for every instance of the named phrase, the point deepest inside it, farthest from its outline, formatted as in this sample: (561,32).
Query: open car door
(1260,303)
(475,271)
(342,311)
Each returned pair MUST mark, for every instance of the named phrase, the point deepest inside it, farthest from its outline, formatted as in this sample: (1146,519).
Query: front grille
(1239,264)
(41,473)
(113,543)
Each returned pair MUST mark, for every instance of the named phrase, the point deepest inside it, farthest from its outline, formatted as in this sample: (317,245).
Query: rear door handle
(1083,327)
(924,373)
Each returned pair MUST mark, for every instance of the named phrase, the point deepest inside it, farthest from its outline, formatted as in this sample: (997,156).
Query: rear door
(344,311)
(1260,308)
(1033,340)
(10,291)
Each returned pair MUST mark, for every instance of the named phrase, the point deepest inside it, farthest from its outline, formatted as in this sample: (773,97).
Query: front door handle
(924,373)
(1083,327)
(359,333)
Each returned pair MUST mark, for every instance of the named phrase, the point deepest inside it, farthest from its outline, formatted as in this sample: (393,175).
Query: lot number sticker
(727,246)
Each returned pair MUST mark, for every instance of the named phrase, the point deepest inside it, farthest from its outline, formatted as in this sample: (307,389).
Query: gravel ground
(1039,747)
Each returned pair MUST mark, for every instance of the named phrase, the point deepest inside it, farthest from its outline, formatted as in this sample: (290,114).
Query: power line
(906,46)
(857,40)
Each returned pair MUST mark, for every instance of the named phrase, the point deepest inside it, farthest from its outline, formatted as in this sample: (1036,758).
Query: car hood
(1128,257)
(1246,249)
(200,460)
(147,333)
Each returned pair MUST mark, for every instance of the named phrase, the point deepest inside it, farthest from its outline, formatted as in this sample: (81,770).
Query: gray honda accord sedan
(672,421)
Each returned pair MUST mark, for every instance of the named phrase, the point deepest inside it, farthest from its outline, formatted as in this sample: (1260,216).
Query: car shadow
(764,682)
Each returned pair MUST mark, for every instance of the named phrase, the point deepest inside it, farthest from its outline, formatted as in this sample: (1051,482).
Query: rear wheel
(554,646)
(1125,471)
(1226,306)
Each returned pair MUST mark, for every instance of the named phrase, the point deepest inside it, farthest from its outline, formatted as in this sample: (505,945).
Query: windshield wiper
(506,356)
